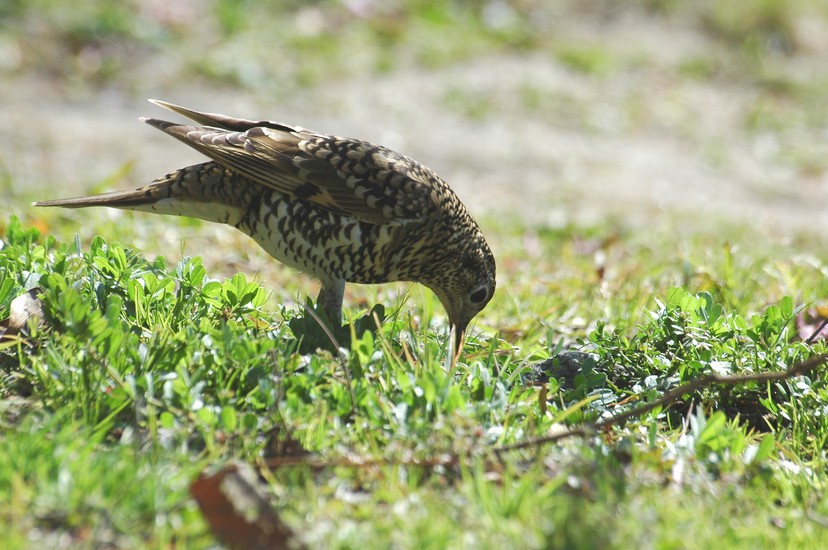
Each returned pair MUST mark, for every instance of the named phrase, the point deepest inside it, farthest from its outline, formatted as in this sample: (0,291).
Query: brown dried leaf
(235,505)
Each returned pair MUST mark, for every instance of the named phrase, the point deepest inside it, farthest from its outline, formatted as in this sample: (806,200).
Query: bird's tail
(205,191)
(133,199)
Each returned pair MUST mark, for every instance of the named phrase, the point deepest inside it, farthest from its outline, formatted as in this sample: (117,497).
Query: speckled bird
(339,209)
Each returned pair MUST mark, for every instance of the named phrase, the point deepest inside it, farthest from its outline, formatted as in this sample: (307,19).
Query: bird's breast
(329,245)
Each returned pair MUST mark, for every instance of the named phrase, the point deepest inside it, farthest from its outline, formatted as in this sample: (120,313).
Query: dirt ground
(518,136)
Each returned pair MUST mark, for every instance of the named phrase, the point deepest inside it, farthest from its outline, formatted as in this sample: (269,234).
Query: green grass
(143,374)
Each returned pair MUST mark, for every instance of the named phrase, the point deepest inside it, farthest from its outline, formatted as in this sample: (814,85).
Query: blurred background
(537,112)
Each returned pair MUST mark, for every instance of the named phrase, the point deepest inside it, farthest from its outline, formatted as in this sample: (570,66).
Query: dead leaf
(235,505)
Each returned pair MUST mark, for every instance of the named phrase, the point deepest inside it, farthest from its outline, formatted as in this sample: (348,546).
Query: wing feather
(357,178)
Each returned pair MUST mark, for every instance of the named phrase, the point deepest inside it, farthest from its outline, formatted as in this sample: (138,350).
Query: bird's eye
(479,295)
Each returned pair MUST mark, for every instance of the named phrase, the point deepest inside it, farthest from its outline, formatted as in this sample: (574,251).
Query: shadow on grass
(313,329)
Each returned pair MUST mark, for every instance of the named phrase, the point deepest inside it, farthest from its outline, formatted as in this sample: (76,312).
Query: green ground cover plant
(140,375)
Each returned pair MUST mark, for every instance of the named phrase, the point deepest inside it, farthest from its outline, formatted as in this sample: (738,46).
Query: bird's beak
(458,338)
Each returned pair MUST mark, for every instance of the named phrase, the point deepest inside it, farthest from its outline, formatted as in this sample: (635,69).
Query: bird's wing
(215,120)
(357,178)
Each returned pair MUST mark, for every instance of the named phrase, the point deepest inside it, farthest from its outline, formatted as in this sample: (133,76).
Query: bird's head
(466,285)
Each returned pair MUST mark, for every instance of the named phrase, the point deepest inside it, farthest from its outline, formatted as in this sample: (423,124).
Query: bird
(339,209)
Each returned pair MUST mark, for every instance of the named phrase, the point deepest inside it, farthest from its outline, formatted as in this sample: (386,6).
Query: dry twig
(671,396)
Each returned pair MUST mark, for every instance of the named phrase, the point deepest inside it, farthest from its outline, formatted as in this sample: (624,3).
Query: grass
(143,374)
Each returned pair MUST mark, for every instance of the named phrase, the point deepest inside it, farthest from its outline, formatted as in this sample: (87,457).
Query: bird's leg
(330,300)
